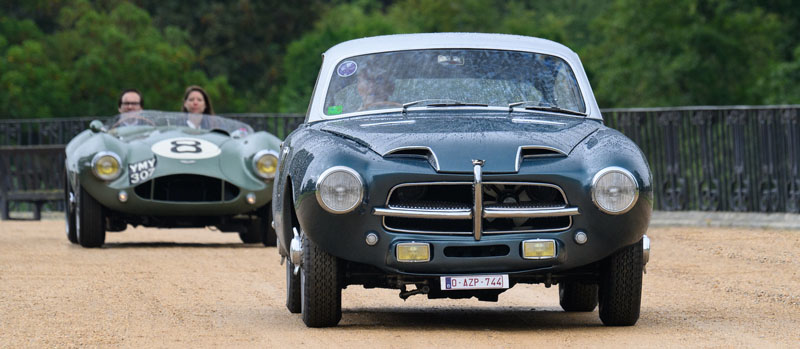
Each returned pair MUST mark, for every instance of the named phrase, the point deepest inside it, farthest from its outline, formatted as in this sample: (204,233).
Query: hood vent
(414,152)
(538,152)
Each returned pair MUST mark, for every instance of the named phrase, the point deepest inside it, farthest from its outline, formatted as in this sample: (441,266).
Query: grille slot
(187,188)
(509,207)
(477,251)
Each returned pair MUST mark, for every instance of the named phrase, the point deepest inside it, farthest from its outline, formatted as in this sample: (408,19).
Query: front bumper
(108,195)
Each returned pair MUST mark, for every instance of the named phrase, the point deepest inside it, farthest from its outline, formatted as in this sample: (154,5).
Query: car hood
(179,150)
(457,140)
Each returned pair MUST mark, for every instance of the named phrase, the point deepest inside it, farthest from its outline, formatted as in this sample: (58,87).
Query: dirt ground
(704,287)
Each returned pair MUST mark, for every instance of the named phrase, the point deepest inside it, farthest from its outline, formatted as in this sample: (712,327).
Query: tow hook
(296,251)
(421,289)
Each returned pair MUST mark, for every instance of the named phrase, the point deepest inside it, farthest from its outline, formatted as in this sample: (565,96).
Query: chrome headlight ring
(632,185)
(100,159)
(326,196)
(262,169)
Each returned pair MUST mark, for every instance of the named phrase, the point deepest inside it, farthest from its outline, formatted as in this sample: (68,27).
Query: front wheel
(321,294)
(621,287)
(89,220)
(260,229)
(292,288)
(69,211)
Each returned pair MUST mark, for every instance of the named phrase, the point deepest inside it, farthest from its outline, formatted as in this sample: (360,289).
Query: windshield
(154,118)
(451,77)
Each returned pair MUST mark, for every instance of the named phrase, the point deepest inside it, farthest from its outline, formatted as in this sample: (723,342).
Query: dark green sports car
(457,165)
(157,169)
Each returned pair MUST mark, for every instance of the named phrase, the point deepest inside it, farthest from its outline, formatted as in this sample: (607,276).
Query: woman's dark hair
(209,109)
(141,99)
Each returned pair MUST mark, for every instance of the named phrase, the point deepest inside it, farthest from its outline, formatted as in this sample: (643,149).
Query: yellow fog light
(413,252)
(538,249)
(265,164)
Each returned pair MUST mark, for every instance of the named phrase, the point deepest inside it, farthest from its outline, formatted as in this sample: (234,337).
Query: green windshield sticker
(334,110)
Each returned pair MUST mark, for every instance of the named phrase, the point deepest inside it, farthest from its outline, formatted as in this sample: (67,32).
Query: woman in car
(196,103)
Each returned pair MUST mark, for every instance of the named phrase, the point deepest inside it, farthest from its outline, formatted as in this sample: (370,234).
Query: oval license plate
(474,282)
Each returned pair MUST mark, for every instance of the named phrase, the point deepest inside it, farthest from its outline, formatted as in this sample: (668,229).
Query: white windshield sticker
(347,68)
(186,148)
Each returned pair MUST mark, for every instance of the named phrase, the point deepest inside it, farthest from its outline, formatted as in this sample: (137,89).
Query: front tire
(250,236)
(577,296)
(89,220)
(69,211)
(292,289)
(621,287)
(321,294)
(260,229)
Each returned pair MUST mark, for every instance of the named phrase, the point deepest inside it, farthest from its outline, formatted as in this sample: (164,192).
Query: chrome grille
(187,188)
(448,208)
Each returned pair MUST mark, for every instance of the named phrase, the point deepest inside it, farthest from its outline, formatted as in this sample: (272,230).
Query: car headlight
(340,189)
(106,165)
(614,190)
(265,164)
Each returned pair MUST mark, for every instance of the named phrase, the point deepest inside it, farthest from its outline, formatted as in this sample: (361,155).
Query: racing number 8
(185,146)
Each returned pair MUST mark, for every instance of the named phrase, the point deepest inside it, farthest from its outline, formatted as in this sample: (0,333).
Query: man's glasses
(130,104)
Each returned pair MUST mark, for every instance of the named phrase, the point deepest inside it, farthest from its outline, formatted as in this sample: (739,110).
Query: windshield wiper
(442,103)
(543,108)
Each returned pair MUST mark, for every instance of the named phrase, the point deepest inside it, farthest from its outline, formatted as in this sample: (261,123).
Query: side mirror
(96,126)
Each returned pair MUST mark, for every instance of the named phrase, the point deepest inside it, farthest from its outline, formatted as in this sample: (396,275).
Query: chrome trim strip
(477,190)
(529,213)
(536,121)
(385,123)
(521,148)
(434,161)
(432,214)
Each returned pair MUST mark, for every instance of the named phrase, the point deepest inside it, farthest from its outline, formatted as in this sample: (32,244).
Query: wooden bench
(32,174)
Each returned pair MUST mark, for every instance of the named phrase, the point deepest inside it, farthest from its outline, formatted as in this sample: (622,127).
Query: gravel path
(705,287)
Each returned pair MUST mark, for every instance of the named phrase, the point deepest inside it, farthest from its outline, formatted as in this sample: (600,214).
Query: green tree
(244,40)
(302,60)
(684,52)
(80,68)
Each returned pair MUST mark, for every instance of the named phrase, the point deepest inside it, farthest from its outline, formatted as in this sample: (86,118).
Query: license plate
(474,282)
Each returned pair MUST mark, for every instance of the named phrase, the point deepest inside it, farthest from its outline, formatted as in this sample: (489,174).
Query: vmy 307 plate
(474,282)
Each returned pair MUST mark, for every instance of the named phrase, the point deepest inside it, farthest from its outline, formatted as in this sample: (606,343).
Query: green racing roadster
(152,169)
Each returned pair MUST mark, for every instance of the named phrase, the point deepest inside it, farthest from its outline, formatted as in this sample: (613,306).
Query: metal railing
(732,158)
(739,158)
(24,132)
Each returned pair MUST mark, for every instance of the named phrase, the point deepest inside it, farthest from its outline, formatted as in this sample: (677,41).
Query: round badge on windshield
(347,68)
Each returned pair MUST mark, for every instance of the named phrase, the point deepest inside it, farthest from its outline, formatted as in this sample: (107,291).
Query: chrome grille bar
(496,212)
(412,213)
(477,189)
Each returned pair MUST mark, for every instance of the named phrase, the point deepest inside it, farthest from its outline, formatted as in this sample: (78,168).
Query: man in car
(130,100)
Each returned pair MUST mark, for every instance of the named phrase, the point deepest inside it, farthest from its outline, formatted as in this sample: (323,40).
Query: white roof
(402,42)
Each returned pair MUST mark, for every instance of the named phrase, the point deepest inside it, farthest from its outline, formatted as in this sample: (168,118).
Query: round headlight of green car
(106,165)
(614,190)
(265,164)
(340,189)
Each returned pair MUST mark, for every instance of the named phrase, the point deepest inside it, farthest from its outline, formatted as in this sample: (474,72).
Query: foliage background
(72,57)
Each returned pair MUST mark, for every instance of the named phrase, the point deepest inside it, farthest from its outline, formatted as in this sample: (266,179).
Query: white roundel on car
(186,148)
